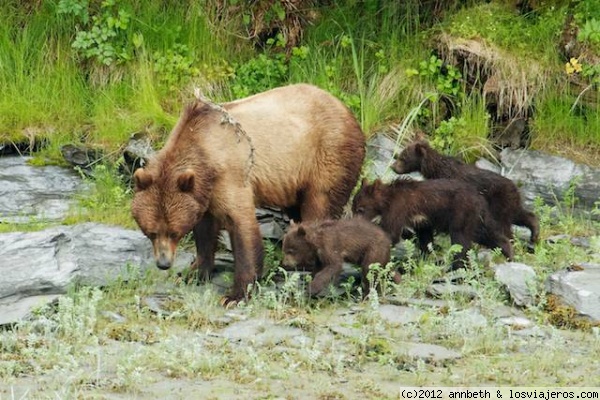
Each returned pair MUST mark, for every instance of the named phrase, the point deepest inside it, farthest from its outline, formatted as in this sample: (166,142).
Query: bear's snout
(164,253)
(163,263)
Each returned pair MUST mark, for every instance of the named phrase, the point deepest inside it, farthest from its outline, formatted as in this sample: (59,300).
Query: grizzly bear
(322,246)
(500,192)
(295,147)
(443,205)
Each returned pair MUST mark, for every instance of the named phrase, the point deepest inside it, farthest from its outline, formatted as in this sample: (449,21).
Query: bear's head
(370,200)
(411,158)
(167,205)
(298,248)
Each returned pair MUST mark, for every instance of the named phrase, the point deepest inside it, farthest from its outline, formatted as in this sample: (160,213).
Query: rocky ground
(132,331)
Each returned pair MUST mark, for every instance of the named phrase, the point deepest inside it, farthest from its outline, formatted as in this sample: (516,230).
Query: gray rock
(516,322)
(430,303)
(39,193)
(380,152)
(262,332)
(519,280)
(470,317)
(399,315)
(16,308)
(579,289)
(49,261)
(448,289)
(431,353)
(549,177)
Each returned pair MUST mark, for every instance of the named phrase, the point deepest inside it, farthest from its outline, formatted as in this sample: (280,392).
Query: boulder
(519,280)
(550,177)
(47,262)
(578,289)
(35,193)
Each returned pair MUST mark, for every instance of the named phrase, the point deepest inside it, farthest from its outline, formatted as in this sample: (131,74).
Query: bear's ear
(185,181)
(292,222)
(376,184)
(421,147)
(301,231)
(141,179)
(364,182)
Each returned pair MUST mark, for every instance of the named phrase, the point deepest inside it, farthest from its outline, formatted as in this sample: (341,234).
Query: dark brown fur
(500,192)
(300,149)
(443,205)
(322,247)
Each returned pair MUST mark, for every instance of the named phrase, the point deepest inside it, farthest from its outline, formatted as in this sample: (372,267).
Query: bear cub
(443,205)
(501,193)
(322,246)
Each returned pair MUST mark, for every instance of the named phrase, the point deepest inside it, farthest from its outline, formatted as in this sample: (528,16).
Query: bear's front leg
(332,268)
(248,255)
(206,233)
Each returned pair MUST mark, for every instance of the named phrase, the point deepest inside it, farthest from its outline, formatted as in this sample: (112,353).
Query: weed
(107,200)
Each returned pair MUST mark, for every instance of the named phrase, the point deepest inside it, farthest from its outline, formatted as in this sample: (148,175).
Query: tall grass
(42,88)
(563,122)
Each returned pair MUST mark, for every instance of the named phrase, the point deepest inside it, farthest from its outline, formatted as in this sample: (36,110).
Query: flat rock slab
(47,262)
(35,193)
(17,308)
(262,332)
(431,353)
(578,289)
(399,315)
(447,289)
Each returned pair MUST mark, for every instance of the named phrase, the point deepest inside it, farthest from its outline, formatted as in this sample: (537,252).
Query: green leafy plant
(265,71)
(106,38)
(175,65)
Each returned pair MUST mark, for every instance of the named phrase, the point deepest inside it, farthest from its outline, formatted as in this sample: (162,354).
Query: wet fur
(442,205)
(322,247)
(308,152)
(500,192)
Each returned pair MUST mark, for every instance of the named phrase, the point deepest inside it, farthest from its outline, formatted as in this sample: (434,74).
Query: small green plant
(106,38)
(106,199)
(175,65)
(446,78)
(263,72)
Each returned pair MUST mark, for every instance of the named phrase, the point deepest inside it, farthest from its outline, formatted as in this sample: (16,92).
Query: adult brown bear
(295,147)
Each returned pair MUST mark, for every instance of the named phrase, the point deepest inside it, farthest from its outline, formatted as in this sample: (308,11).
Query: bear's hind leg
(315,206)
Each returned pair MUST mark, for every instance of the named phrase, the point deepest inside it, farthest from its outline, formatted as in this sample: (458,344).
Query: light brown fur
(308,152)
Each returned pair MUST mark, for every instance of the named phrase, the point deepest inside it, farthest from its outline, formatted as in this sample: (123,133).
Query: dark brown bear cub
(443,205)
(322,247)
(501,193)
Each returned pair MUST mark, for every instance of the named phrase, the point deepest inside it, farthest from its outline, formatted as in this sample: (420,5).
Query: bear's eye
(173,236)
(291,251)
(360,210)
(151,235)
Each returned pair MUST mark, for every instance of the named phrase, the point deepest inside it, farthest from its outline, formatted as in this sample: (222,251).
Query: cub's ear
(185,181)
(141,179)
(301,231)
(376,184)
(421,147)
(292,223)
(364,182)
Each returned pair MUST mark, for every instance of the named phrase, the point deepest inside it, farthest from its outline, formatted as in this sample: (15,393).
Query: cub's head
(298,248)
(370,200)
(411,158)
(166,206)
